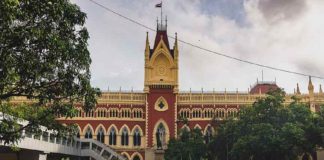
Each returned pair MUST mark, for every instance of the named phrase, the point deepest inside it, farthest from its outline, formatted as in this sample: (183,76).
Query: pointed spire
(175,47)
(297,90)
(320,89)
(310,85)
(147,48)
(176,40)
(147,41)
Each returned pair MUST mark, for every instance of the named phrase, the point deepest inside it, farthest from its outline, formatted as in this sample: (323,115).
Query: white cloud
(293,42)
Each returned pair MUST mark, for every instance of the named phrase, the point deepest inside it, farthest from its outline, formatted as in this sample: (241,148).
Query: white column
(42,156)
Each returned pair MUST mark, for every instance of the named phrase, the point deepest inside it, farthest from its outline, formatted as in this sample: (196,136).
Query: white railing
(48,142)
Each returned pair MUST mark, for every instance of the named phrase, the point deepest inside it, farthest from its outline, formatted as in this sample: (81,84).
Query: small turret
(147,47)
(310,86)
(311,94)
(175,47)
(298,90)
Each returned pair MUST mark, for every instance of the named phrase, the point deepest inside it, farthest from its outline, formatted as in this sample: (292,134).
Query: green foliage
(189,146)
(269,131)
(44,57)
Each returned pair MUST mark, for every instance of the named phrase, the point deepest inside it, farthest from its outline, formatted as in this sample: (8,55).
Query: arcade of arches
(137,123)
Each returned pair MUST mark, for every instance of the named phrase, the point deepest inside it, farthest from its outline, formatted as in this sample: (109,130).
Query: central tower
(161,62)
(161,88)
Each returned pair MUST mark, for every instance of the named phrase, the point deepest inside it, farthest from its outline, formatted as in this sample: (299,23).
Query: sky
(284,34)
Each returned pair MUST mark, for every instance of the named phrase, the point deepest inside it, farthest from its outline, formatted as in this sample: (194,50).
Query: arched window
(160,136)
(208,135)
(88,134)
(101,135)
(137,137)
(112,136)
(124,137)
(136,158)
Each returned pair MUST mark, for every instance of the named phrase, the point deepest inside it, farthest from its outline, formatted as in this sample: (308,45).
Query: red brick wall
(154,116)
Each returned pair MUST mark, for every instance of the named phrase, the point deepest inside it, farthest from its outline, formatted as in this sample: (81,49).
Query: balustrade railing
(48,141)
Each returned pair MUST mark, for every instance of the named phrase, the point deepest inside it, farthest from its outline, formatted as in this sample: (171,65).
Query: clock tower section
(161,87)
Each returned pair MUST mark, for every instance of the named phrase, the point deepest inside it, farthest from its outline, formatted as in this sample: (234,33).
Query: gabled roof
(165,39)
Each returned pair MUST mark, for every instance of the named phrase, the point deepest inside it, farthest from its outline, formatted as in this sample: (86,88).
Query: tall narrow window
(112,136)
(88,134)
(101,135)
(124,137)
(137,137)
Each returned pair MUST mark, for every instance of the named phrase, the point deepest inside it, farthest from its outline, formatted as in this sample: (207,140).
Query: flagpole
(161,14)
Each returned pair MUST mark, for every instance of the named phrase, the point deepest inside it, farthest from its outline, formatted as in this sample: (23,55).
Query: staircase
(47,142)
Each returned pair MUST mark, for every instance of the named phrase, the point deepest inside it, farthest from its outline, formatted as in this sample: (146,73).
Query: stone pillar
(118,139)
(81,136)
(106,139)
(142,141)
(42,156)
(159,155)
(130,141)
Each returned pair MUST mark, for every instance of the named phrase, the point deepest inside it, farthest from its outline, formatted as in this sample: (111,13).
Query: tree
(43,57)
(189,146)
(269,131)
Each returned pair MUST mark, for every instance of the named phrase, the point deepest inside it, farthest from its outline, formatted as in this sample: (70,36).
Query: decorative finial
(147,39)
(320,90)
(175,41)
(297,90)
(310,85)
(275,80)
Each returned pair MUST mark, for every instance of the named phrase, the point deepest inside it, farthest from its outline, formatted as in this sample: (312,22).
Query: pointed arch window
(160,136)
(137,137)
(88,134)
(208,135)
(112,136)
(124,137)
(101,135)
(136,158)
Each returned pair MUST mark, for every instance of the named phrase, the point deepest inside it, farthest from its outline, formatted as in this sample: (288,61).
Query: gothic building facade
(139,124)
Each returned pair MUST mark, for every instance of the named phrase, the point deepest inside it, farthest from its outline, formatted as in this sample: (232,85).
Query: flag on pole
(159,5)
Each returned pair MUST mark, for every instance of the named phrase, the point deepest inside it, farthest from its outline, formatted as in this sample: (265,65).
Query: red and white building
(130,122)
